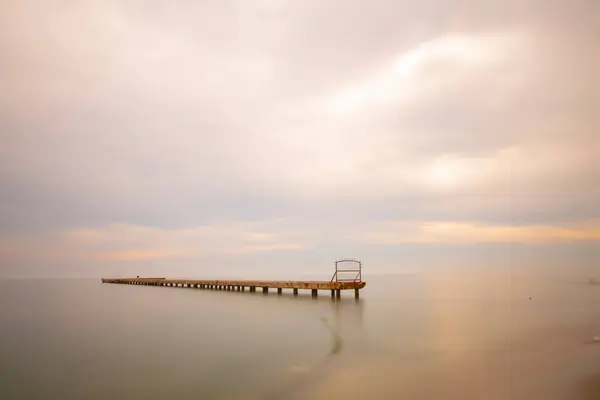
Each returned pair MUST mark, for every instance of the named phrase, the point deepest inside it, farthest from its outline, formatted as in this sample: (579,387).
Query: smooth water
(437,335)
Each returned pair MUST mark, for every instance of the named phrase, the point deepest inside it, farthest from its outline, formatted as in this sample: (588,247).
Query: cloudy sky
(260,138)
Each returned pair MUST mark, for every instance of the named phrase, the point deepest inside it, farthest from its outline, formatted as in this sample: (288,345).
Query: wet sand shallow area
(476,348)
(589,388)
(555,368)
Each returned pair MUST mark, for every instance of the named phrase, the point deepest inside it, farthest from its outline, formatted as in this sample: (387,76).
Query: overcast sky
(254,138)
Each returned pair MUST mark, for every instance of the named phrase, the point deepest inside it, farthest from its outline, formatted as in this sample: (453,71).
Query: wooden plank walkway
(241,285)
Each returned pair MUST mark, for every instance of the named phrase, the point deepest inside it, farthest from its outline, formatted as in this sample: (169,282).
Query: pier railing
(347,270)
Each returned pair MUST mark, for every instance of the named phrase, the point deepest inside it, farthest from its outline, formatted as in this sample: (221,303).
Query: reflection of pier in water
(349,323)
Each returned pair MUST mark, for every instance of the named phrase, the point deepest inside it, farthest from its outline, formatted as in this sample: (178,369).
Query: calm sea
(443,334)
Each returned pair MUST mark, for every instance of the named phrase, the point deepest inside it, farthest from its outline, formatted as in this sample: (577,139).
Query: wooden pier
(348,278)
(334,287)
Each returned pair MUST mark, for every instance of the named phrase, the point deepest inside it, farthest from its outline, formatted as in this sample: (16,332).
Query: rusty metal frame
(357,278)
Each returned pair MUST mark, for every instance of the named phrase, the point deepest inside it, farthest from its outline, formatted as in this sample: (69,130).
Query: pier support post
(356,295)
(243,288)
(252,288)
(279,290)
(338,293)
(295,292)
(315,293)
(265,290)
(332,293)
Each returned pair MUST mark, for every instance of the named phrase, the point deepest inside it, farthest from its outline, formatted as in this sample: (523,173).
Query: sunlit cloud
(409,75)
(143,242)
(466,232)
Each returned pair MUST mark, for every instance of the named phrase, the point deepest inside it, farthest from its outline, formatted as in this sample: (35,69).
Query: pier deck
(241,285)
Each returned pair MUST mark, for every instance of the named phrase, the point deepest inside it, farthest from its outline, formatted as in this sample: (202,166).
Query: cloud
(137,243)
(157,119)
(133,242)
(472,233)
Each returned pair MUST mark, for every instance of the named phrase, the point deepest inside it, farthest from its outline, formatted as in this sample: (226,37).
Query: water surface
(444,334)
